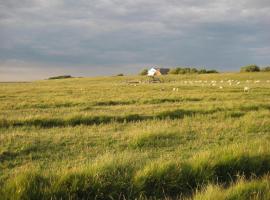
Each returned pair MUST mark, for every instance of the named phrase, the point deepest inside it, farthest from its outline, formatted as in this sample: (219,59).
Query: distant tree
(60,77)
(120,74)
(143,72)
(211,71)
(266,69)
(250,68)
(202,71)
(193,70)
(190,70)
(173,71)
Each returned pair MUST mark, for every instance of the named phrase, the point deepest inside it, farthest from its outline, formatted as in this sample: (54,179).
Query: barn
(154,71)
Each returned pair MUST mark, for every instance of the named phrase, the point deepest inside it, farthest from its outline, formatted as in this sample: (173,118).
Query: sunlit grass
(103,138)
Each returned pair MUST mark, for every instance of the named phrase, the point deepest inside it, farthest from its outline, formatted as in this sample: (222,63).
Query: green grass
(241,190)
(87,138)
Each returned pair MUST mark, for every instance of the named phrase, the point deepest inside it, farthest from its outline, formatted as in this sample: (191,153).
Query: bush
(143,72)
(250,68)
(190,70)
(211,71)
(120,74)
(60,77)
(173,71)
(266,69)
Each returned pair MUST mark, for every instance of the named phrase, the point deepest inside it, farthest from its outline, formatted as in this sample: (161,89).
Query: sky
(42,38)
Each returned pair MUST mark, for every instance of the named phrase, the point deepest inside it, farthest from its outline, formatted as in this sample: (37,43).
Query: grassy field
(191,137)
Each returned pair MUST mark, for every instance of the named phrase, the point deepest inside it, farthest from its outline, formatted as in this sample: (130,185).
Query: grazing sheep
(246,89)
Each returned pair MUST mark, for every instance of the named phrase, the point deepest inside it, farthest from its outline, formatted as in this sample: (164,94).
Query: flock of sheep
(213,83)
(220,84)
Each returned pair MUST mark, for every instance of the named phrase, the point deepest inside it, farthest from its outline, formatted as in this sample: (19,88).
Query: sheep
(246,89)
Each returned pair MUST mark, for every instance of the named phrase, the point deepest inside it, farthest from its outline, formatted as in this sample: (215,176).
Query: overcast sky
(41,38)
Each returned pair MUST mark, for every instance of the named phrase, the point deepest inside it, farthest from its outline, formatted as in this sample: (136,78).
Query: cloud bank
(102,37)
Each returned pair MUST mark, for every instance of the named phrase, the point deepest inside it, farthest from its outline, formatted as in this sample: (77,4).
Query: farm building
(157,71)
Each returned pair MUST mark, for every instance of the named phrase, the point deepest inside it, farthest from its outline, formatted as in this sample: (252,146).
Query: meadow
(197,136)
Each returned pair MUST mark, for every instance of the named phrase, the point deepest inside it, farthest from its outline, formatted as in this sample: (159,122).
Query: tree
(250,68)
(266,69)
(143,72)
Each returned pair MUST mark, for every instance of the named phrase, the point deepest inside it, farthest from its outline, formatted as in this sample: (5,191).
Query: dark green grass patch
(91,120)
(160,139)
(170,100)
(183,178)
(27,185)
(113,103)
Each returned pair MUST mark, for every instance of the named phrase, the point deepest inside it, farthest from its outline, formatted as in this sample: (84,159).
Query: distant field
(191,136)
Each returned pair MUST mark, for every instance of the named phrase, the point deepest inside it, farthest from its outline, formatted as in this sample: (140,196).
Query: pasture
(188,137)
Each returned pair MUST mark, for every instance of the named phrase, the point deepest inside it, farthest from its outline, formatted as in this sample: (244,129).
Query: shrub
(173,71)
(120,74)
(250,68)
(143,72)
(60,77)
(266,69)
(211,71)
(202,71)
(190,70)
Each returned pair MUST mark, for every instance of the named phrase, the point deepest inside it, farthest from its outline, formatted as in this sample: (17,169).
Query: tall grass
(241,190)
(101,138)
(123,178)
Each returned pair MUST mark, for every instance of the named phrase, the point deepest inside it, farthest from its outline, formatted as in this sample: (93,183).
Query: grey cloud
(221,34)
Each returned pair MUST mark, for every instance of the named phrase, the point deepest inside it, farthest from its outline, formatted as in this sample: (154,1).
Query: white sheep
(246,89)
